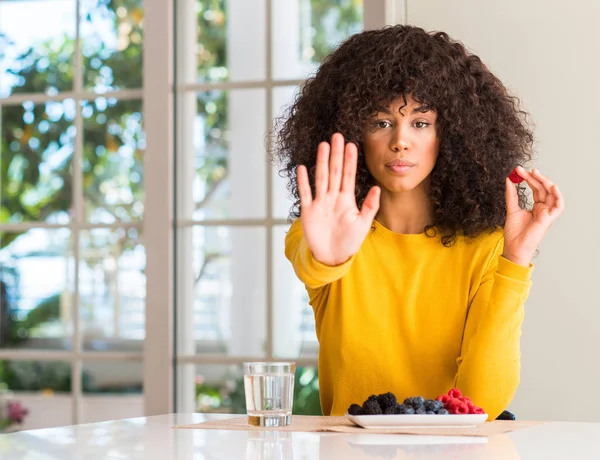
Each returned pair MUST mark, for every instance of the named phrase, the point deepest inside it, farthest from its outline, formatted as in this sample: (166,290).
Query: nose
(398,141)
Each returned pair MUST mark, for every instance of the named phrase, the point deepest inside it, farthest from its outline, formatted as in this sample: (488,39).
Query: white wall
(548,51)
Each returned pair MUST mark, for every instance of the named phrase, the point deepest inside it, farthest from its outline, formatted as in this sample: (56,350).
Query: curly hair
(483,133)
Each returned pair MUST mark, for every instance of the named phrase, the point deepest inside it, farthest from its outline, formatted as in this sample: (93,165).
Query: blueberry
(409,410)
(443,412)
(430,412)
(415,402)
(401,409)
(433,405)
(420,411)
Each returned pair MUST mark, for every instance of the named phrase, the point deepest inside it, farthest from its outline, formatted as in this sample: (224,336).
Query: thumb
(512,197)
(370,205)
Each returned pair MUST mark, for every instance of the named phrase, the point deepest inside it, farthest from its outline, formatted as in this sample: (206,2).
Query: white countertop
(154,438)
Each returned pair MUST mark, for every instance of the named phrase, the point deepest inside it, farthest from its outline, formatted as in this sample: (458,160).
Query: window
(135,199)
(239,64)
(71,207)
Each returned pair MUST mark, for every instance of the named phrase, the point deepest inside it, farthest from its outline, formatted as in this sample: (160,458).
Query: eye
(421,124)
(382,124)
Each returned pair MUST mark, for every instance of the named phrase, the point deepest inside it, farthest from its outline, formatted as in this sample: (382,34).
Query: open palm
(333,225)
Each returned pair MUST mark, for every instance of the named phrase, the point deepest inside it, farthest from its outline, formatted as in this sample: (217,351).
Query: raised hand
(333,225)
(525,229)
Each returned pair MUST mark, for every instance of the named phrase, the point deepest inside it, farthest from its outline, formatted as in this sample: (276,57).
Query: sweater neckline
(381,230)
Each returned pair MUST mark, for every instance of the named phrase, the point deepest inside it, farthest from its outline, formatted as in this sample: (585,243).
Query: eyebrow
(420,109)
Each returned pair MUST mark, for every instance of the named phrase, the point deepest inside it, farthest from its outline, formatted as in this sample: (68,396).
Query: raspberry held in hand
(514,177)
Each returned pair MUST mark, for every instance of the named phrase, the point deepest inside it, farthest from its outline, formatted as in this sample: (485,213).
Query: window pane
(282,201)
(36,50)
(221,290)
(218,388)
(40,387)
(294,332)
(112,288)
(220,40)
(111,43)
(36,280)
(28,376)
(112,390)
(37,144)
(114,144)
(305,31)
(221,155)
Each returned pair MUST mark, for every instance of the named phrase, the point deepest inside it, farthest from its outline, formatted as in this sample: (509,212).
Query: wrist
(519,259)
(330,261)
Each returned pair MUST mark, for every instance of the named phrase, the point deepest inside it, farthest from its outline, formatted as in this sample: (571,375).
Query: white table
(154,438)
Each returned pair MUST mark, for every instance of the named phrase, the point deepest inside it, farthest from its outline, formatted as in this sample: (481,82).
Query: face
(401,145)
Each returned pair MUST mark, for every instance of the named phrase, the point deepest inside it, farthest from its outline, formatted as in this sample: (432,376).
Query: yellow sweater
(408,315)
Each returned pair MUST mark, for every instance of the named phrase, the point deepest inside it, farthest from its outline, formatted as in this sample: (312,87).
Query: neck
(405,212)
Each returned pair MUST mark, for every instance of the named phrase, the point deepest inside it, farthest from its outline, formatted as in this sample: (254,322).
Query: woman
(414,246)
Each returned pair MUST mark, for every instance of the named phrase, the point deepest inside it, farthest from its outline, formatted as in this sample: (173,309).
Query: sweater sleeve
(309,270)
(490,360)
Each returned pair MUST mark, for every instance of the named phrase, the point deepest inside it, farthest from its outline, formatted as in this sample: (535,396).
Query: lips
(399,166)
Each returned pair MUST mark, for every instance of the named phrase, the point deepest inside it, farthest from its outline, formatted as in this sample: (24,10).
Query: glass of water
(269,391)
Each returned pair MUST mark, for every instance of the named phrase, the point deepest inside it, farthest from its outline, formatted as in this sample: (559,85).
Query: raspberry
(453,403)
(469,403)
(514,177)
(443,399)
(460,408)
(463,408)
(478,410)
(455,393)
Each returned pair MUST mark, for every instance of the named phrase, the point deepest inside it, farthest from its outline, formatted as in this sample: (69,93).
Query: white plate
(409,439)
(418,421)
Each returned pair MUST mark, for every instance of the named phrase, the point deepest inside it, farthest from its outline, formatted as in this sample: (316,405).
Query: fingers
(322,172)
(304,187)
(559,203)
(370,205)
(548,186)
(512,197)
(546,192)
(336,167)
(539,192)
(350,160)
(336,163)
